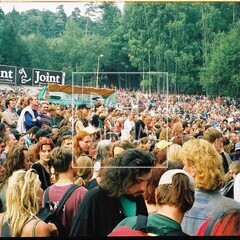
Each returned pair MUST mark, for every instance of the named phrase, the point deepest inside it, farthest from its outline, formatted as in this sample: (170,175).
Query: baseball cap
(237,146)
(43,133)
(162,144)
(166,178)
(82,106)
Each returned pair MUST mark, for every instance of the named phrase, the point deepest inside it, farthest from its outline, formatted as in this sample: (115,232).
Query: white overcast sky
(23,6)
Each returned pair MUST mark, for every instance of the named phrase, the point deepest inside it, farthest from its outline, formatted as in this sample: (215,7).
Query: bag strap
(65,198)
(211,223)
(46,196)
(34,226)
(141,223)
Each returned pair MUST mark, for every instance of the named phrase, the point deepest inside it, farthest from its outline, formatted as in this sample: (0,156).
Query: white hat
(166,178)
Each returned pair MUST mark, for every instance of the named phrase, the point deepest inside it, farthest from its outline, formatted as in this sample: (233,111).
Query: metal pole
(99,56)
(97,71)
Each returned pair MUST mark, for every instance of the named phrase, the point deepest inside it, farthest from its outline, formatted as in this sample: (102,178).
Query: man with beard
(118,196)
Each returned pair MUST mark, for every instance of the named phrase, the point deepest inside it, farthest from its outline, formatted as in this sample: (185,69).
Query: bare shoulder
(41,229)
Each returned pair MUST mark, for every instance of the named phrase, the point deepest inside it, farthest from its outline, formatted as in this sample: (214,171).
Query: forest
(196,44)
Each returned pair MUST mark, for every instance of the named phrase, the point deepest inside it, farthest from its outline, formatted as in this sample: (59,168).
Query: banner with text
(29,76)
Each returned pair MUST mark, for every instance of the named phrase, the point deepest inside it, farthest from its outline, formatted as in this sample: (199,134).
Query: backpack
(141,225)
(227,189)
(141,229)
(47,215)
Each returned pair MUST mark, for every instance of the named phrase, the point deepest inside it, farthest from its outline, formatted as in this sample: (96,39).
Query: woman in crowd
(202,160)
(85,171)
(17,158)
(23,199)
(81,143)
(42,166)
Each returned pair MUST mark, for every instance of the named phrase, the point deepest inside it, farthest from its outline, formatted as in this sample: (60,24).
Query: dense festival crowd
(151,165)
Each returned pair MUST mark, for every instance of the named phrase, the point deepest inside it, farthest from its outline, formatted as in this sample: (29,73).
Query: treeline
(196,43)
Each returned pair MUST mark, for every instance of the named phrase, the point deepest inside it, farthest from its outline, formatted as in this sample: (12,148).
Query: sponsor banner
(24,76)
(29,76)
(7,74)
(43,77)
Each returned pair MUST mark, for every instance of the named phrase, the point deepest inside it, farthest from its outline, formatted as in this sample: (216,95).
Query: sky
(23,6)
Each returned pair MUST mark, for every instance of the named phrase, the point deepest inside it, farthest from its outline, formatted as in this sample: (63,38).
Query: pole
(99,56)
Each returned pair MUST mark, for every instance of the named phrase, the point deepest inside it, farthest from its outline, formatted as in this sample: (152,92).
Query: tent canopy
(105,92)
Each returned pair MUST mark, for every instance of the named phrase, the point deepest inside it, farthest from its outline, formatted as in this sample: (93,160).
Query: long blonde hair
(21,199)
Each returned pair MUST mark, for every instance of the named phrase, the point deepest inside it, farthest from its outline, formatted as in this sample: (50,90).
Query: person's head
(112,111)
(2,129)
(2,145)
(120,146)
(43,107)
(10,103)
(10,140)
(62,158)
(17,158)
(102,150)
(234,168)
(176,189)
(43,134)
(33,102)
(213,136)
(83,110)
(186,127)
(52,111)
(23,198)
(177,129)
(32,132)
(66,141)
(85,170)
(61,110)
(166,134)
(152,184)
(173,152)
(204,163)
(81,143)
(128,173)
(233,137)
(98,108)
(227,224)
(43,150)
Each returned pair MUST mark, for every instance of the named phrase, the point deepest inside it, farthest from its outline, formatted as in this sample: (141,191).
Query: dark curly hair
(122,171)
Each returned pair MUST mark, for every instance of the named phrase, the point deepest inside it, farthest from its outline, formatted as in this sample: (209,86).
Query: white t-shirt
(236,188)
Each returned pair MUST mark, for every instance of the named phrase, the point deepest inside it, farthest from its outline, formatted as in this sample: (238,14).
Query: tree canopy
(195,43)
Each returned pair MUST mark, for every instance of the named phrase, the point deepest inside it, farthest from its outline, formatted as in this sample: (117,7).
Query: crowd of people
(172,158)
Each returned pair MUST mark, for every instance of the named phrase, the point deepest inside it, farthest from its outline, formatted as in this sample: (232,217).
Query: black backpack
(47,215)
(141,225)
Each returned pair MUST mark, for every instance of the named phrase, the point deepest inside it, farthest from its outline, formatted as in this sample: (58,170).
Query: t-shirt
(70,208)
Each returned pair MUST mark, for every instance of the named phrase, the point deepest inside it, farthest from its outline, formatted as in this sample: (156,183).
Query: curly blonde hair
(21,199)
(207,161)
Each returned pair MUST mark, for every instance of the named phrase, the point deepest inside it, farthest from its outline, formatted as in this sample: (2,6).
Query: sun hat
(162,144)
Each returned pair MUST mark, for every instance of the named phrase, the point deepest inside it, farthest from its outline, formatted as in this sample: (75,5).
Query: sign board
(7,74)
(29,76)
